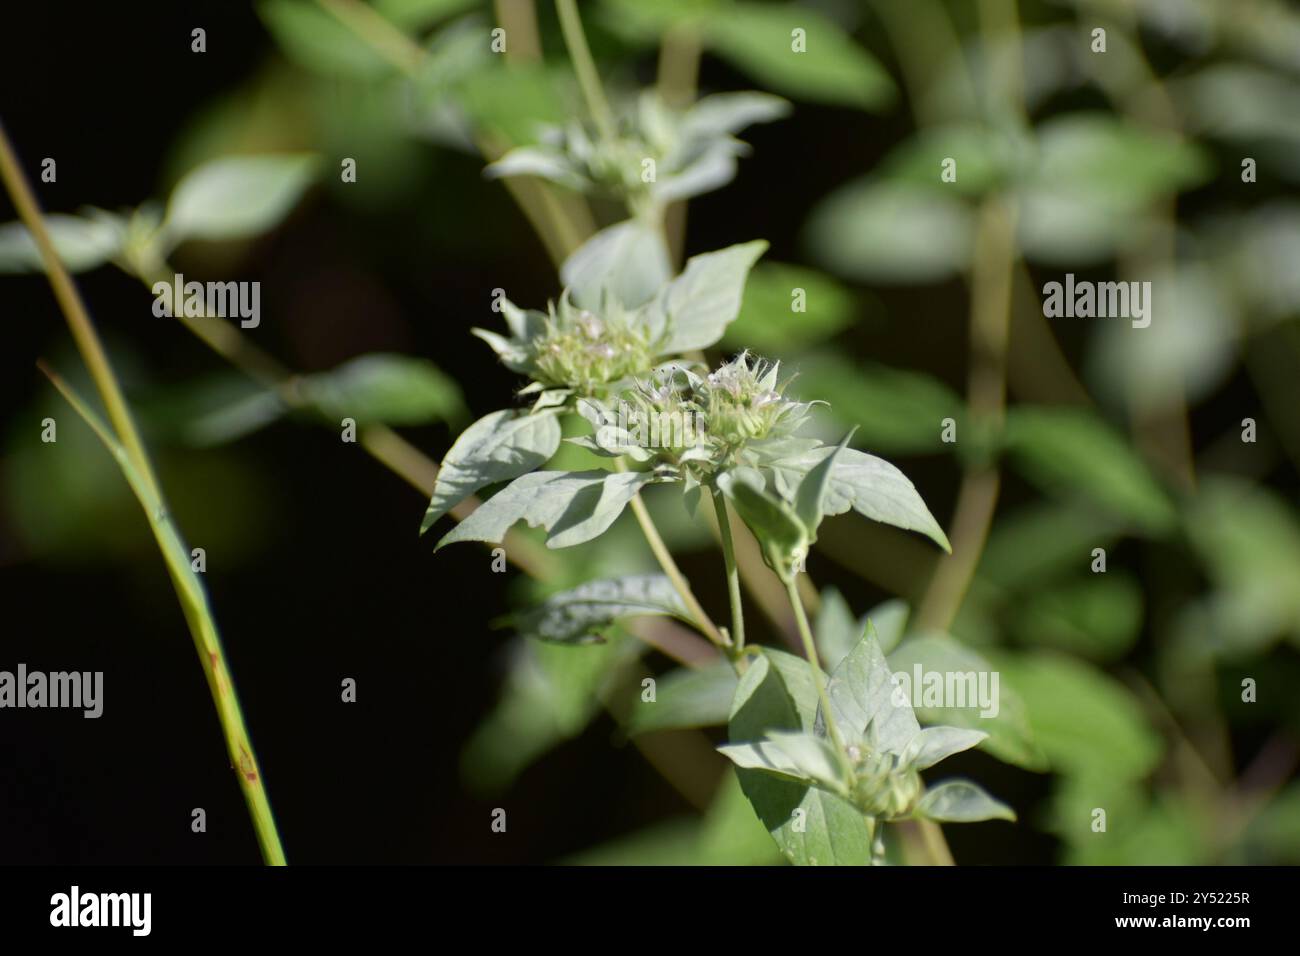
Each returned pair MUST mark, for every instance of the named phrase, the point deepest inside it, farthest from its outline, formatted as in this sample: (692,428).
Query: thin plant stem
(137,466)
(814,664)
(585,68)
(733,575)
(83,330)
(669,566)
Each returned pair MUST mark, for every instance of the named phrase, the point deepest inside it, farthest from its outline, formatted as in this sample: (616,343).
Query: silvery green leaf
(799,756)
(781,535)
(710,169)
(693,310)
(497,447)
(810,825)
(609,438)
(933,744)
(959,801)
(687,697)
(237,196)
(536,161)
(862,692)
(867,484)
(729,113)
(811,496)
(1072,452)
(573,506)
(524,324)
(579,615)
(549,398)
(628,260)
(512,356)
(81,243)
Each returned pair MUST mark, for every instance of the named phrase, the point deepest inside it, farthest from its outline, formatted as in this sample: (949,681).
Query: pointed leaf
(693,310)
(687,698)
(959,801)
(933,744)
(627,259)
(581,615)
(573,506)
(862,692)
(237,196)
(497,447)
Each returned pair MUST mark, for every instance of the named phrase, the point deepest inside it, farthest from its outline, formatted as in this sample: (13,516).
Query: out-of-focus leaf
(1139,832)
(211,411)
(880,231)
(644,23)
(393,389)
(687,698)
(768,321)
(759,38)
(895,410)
(1274,835)
(417,14)
(1086,722)
(314,38)
(551,693)
(1010,735)
(1254,107)
(1041,540)
(82,242)
(729,835)
(1186,351)
(836,630)
(1070,451)
(983,159)
(627,259)
(237,196)
(1249,540)
(1262,245)
(1096,617)
(514,102)
(584,614)
(1094,177)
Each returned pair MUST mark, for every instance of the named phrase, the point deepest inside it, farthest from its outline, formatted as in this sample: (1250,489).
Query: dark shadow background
(338,584)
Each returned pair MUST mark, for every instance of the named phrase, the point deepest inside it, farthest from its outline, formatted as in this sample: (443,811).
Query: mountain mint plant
(657,156)
(619,350)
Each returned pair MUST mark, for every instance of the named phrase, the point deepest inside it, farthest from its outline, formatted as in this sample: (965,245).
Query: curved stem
(585,67)
(814,663)
(733,574)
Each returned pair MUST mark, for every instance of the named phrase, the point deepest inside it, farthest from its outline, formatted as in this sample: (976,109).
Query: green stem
(132,453)
(733,574)
(669,566)
(585,68)
(814,664)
